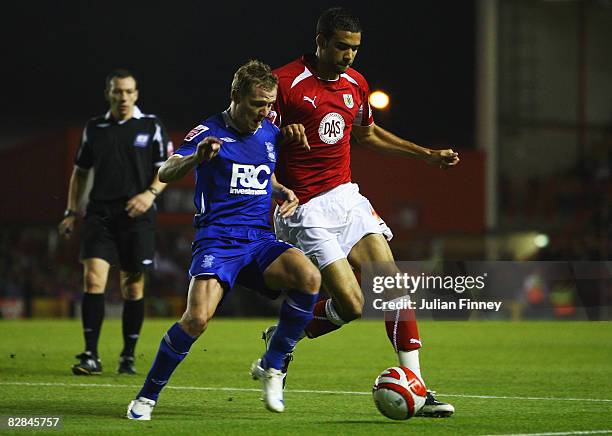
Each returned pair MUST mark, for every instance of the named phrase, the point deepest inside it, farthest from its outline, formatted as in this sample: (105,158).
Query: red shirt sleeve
(364,115)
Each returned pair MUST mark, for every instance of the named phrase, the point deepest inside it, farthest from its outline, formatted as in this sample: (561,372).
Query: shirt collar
(137,114)
(310,60)
(227,119)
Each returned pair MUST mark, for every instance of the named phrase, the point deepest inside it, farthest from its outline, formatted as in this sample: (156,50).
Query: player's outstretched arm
(177,166)
(289,200)
(379,139)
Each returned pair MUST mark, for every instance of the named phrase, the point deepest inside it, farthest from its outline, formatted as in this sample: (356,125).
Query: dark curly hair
(337,18)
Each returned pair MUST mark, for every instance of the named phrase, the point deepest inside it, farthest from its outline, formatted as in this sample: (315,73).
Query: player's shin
(173,348)
(295,314)
(403,332)
(325,319)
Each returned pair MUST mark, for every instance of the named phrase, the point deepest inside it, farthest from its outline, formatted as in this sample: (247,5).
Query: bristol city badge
(348,100)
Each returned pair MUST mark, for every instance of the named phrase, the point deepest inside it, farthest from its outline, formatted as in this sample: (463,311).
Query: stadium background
(521,88)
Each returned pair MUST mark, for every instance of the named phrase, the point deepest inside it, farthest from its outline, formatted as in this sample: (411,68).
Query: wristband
(153,191)
(69,212)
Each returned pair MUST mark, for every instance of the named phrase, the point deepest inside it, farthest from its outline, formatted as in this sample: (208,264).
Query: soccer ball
(398,393)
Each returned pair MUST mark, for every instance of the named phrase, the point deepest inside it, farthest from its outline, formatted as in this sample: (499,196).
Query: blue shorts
(235,255)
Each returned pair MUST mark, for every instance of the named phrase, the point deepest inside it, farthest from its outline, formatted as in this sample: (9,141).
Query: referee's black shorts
(110,234)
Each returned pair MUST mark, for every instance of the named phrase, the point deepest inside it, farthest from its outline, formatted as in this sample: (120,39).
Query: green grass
(461,360)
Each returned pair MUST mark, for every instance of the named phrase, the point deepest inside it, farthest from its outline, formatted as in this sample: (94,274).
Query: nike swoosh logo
(135,415)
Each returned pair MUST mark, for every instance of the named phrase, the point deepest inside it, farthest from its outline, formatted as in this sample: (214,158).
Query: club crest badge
(270,150)
(208,261)
(142,139)
(348,100)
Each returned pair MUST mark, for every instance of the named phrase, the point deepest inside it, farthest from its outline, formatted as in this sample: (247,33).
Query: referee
(125,148)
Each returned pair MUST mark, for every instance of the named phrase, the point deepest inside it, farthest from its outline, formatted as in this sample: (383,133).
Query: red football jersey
(328,109)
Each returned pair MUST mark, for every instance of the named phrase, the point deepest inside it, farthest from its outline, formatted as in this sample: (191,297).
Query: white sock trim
(332,315)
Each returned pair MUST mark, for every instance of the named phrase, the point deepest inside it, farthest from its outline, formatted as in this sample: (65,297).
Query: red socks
(402,329)
(320,323)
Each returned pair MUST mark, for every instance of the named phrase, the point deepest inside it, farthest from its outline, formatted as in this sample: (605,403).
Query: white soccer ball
(398,393)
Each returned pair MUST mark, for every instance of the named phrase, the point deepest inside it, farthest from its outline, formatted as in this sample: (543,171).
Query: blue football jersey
(234,188)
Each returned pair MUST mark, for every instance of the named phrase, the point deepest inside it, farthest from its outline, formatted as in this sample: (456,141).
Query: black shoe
(266,335)
(434,408)
(88,365)
(126,365)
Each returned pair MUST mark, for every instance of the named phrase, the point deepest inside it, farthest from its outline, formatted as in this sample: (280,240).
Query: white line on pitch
(499,397)
(299,391)
(562,433)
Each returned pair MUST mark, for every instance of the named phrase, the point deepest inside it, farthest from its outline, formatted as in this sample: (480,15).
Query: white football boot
(271,386)
(266,335)
(140,409)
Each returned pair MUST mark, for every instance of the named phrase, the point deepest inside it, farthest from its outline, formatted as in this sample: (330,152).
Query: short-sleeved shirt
(328,109)
(234,189)
(125,155)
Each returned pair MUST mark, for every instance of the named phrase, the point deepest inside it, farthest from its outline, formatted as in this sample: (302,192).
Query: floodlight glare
(541,240)
(379,99)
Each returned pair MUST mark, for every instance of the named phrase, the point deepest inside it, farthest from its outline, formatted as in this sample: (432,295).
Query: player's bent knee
(310,280)
(194,324)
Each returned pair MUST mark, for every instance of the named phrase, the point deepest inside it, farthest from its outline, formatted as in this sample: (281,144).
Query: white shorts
(330,224)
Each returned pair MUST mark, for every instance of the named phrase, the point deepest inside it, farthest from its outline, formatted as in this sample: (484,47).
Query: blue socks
(172,350)
(295,313)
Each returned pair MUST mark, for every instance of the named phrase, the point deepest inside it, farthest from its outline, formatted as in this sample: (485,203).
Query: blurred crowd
(35,264)
(573,208)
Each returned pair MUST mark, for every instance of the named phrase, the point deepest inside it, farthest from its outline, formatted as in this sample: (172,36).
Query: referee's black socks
(133,316)
(92,313)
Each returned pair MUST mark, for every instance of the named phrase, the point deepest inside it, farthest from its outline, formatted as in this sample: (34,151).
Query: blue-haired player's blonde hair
(253,73)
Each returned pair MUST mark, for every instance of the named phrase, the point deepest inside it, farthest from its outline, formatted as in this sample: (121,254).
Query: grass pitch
(502,377)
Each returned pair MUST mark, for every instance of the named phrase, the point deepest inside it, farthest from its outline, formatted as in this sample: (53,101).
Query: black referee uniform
(125,156)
